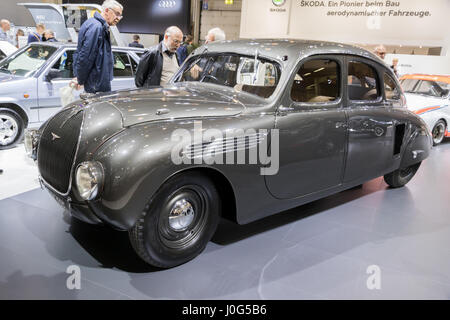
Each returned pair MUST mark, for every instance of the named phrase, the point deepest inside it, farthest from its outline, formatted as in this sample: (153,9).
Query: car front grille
(57,148)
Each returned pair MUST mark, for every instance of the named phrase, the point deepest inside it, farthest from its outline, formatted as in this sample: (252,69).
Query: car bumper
(81,211)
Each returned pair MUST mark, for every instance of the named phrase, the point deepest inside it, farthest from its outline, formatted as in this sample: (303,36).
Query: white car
(6,49)
(428,96)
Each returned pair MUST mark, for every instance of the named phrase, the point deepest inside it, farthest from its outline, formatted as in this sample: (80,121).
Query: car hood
(418,103)
(4,77)
(182,100)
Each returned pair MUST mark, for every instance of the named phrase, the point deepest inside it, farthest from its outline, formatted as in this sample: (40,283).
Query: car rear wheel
(178,222)
(400,177)
(11,128)
(438,132)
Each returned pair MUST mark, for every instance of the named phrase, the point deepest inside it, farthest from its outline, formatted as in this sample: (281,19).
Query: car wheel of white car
(178,222)
(11,128)
(438,132)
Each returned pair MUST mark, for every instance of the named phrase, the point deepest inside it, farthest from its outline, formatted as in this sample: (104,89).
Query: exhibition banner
(413,22)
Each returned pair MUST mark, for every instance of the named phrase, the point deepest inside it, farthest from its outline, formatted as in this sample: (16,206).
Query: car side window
(390,88)
(122,65)
(317,80)
(65,65)
(362,82)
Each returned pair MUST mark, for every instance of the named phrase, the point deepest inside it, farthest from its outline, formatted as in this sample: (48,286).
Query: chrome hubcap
(181,215)
(438,133)
(8,129)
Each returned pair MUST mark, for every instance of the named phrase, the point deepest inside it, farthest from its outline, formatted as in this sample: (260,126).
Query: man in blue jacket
(37,35)
(93,60)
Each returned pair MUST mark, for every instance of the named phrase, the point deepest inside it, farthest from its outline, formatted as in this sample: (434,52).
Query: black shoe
(1,171)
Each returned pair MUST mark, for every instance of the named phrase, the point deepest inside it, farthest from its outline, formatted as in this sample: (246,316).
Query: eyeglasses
(118,15)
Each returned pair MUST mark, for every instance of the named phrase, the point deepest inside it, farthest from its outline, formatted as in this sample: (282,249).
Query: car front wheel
(400,177)
(438,132)
(178,222)
(11,128)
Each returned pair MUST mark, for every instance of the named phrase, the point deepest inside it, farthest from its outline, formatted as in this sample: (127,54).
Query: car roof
(427,77)
(74,45)
(292,48)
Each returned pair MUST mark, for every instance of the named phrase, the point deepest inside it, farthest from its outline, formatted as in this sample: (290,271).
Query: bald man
(161,62)
(5,28)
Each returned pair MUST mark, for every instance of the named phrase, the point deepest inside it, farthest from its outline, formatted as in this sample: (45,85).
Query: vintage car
(429,97)
(6,49)
(165,163)
(30,80)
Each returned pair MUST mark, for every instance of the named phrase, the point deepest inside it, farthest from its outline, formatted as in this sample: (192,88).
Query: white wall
(437,65)
(295,19)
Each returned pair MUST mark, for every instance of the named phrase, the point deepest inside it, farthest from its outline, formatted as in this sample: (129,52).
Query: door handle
(341,125)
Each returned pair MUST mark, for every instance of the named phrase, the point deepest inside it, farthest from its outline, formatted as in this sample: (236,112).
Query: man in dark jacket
(161,62)
(93,60)
(135,42)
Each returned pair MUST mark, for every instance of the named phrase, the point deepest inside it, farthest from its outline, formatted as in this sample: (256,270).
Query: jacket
(34,37)
(93,59)
(150,67)
(135,44)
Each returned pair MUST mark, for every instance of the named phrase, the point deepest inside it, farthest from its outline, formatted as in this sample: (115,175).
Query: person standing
(50,36)
(161,62)
(215,34)
(395,67)
(37,35)
(135,42)
(93,59)
(5,29)
(19,33)
(182,51)
(380,51)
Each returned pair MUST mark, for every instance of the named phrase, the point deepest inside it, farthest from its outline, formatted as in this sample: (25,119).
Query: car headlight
(30,142)
(89,179)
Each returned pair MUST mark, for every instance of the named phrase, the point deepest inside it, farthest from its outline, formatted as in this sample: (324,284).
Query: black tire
(400,177)
(11,128)
(164,245)
(438,132)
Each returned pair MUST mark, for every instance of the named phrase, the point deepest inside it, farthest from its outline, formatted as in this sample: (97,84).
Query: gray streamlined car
(285,123)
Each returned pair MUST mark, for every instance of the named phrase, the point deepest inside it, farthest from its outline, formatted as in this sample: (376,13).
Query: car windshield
(257,76)
(28,61)
(408,84)
(426,87)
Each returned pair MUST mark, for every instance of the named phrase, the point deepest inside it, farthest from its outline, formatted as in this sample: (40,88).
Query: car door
(124,70)
(312,130)
(372,124)
(48,88)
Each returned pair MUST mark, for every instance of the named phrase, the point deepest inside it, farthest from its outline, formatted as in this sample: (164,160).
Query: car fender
(418,144)
(131,181)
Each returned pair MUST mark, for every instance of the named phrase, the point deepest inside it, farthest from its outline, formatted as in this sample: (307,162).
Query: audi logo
(167,3)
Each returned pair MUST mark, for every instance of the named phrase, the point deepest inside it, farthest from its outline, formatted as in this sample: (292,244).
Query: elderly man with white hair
(5,27)
(160,63)
(215,34)
(93,60)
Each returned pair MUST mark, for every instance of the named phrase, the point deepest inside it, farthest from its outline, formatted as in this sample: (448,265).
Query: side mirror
(52,74)
(444,93)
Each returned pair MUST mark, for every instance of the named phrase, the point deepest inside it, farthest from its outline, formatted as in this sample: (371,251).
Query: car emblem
(55,136)
(167,3)
(278,3)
